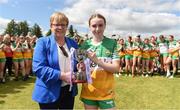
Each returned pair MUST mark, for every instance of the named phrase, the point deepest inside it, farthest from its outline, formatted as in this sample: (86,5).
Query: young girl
(163,49)
(18,59)
(99,94)
(27,54)
(129,55)
(154,54)
(146,57)
(2,59)
(137,55)
(121,50)
(173,50)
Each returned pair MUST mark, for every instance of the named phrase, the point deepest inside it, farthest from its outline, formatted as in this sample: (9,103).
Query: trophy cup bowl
(80,75)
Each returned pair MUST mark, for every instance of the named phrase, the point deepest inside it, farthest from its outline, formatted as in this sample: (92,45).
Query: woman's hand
(66,76)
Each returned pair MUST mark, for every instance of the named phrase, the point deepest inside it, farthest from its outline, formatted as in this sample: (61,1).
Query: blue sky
(33,11)
(124,17)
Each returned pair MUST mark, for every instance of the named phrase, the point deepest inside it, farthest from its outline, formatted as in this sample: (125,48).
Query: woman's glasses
(59,25)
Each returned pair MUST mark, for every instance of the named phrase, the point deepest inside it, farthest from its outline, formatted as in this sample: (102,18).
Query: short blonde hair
(6,37)
(59,17)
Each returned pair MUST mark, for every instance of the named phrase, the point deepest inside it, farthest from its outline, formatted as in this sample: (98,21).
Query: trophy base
(79,81)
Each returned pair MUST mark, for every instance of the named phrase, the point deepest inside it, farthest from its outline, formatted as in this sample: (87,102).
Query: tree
(71,32)
(12,28)
(48,33)
(23,28)
(36,30)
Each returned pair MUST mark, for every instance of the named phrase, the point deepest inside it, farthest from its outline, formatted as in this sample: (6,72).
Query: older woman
(51,65)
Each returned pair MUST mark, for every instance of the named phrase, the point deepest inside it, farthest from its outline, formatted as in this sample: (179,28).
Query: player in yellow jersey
(173,50)
(33,43)
(18,59)
(129,55)
(154,54)
(2,59)
(163,50)
(100,93)
(137,55)
(122,53)
(146,57)
(27,54)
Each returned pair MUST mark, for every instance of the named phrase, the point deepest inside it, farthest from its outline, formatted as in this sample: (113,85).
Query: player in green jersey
(99,93)
(173,57)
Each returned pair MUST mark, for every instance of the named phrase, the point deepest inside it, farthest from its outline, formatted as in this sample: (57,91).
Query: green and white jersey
(163,46)
(120,47)
(147,47)
(102,87)
(19,48)
(106,50)
(173,44)
(1,45)
(138,45)
(154,46)
(128,45)
(25,45)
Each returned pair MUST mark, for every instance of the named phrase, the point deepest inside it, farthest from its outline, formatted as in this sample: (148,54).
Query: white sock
(168,73)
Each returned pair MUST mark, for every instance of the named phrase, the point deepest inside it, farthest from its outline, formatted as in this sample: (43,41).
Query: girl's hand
(93,57)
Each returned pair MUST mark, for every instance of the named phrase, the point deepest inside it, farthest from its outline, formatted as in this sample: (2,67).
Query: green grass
(131,93)
(148,93)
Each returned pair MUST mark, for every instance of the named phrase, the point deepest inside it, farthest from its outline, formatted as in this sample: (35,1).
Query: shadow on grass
(177,74)
(2,102)
(13,87)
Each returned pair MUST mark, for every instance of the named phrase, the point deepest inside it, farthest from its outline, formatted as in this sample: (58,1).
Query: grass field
(151,93)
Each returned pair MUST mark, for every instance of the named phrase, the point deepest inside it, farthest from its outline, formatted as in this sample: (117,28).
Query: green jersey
(173,44)
(128,45)
(163,46)
(137,45)
(105,50)
(147,47)
(102,80)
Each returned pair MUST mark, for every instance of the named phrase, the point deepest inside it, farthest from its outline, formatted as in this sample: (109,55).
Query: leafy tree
(48,33)
(36,30)
(71,32)
(23,28)
(11,28)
